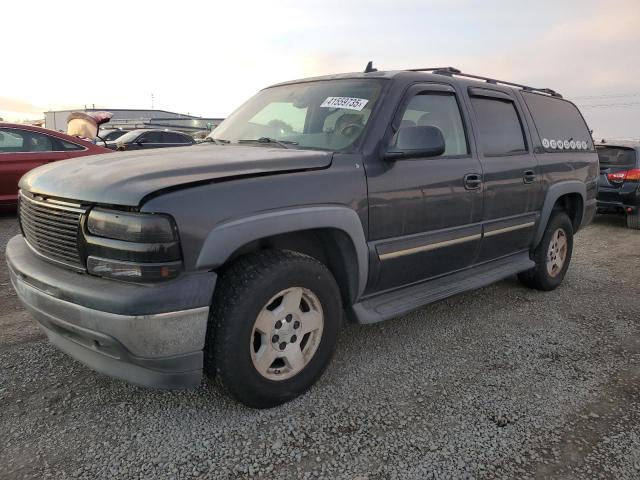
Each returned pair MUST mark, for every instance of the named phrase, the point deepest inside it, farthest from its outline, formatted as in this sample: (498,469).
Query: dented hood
(125,178)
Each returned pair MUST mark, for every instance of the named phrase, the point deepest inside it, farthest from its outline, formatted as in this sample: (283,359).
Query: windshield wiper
(273,141)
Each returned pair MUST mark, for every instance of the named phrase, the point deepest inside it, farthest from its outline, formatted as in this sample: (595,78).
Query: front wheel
(552,255)
(274,324)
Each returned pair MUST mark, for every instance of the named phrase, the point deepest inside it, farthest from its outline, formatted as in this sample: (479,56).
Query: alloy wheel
(287,333)
(557,252)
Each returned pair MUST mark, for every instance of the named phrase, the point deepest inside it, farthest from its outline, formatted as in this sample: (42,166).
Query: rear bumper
(163,349)
(626,196)
(622,206)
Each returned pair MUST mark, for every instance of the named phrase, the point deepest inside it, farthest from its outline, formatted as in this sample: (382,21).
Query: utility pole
(152,101)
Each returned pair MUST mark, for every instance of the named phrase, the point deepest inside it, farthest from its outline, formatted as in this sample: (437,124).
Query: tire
(633,220)
(547,274)
(254,317)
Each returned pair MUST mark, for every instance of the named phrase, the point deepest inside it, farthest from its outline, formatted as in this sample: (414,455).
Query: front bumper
(148,335)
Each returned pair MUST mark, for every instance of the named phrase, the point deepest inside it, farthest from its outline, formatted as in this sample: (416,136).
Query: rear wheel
(633,220)
(274,324)
(552,255)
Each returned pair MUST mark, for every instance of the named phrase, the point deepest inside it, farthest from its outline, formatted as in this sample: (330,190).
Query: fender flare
(554,192)
(227,237)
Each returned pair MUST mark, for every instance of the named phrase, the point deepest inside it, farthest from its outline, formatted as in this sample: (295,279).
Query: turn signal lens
(625,176)
(633,175)
(133,272)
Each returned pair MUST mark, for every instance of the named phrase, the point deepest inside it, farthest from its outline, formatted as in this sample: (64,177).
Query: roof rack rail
(451,71)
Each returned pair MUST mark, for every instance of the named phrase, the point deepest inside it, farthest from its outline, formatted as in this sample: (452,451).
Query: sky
(207,57)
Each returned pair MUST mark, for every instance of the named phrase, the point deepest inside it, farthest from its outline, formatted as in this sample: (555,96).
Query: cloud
(207,57)
(597,53)
(15,105)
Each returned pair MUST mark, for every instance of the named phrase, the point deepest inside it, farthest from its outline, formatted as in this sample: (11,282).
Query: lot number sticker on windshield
(345,102)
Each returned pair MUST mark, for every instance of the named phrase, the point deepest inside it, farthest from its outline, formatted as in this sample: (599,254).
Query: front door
(511,174)
(21,151)
(425,213)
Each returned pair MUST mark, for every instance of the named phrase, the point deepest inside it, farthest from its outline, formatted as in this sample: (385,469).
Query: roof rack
(450,71)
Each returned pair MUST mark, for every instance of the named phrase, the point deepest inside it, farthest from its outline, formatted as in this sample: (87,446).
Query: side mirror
(141,141)
(416,142)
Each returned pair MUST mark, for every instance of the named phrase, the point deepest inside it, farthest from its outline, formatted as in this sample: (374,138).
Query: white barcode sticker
(345,102)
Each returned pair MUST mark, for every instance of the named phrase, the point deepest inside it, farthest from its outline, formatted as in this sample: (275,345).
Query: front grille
(51,227)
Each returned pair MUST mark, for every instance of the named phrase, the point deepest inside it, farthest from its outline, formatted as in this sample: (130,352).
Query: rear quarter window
(64,146)
(559,123)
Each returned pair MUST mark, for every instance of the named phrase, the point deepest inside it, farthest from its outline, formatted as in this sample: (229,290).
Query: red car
(23,147)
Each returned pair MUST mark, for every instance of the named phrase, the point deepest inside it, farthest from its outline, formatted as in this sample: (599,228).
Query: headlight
(131,227)
(136,247)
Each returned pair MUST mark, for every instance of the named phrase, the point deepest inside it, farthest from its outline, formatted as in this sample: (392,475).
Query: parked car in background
(148,138)
(110,135)
(365,195)
(24,147)
(619,183)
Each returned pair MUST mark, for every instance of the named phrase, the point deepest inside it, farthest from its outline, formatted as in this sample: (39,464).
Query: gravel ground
(503,382)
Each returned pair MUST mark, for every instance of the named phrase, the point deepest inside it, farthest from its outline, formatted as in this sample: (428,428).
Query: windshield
(325,115)
(129,136)
(112,135)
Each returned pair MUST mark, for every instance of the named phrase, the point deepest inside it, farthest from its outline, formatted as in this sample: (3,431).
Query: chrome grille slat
(63,254)
(51,228)
(53,223)
(55,204)
(58,211)
(44,214)
(52,233)
(50,239)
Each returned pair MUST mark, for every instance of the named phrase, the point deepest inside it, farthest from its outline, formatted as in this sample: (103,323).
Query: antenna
(369,68)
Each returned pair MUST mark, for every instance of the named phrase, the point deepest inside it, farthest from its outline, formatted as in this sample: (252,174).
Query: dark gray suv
(361,195)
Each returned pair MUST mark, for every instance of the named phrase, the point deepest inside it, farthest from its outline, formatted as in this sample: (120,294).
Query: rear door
(511,176)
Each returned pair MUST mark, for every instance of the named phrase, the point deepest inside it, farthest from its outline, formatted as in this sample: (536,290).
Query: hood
(125,178)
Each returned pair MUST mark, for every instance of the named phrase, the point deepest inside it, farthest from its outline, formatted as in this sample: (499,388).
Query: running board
(392,304)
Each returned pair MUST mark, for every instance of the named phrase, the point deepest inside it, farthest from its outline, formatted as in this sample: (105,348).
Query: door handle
(472,181)
(529,176)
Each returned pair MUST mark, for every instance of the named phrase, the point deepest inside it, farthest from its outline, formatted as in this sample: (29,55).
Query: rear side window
(617,156)
(177,138)
(169,137)
(499,126)
(153,137)
(559,123)
(67,146)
